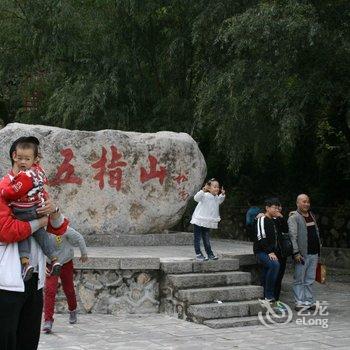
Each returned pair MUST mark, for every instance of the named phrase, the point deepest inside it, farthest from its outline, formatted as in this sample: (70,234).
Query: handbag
(285,245)
(321,273)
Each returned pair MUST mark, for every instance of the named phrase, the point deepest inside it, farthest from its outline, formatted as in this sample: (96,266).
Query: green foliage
(272,76)
(263,86)
(277,93)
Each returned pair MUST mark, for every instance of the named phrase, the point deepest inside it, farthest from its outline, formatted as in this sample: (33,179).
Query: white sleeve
(199,196)
(221,198)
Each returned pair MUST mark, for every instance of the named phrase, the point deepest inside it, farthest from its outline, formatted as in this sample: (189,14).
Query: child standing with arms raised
(206,216)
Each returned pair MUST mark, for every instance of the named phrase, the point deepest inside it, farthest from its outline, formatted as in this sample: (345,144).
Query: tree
(281,73)
(254,82)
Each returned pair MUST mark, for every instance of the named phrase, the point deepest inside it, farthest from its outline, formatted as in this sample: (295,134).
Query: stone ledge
(139,263)
(132,263)
(244,259)
(97,264)
(178,267)
(150,239)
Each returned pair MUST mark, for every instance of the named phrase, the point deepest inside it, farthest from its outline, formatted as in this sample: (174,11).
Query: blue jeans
(304,277)
(201,232)
(278,286)
(270,273)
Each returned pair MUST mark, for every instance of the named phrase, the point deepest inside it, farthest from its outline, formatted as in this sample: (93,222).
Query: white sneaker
(201,257)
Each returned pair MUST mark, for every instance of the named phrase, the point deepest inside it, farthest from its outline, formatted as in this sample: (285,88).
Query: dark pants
(270,274)
(20,317)
(278,286)
(201,232)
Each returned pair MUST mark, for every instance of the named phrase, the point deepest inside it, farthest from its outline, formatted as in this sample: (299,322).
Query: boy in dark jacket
(268,228)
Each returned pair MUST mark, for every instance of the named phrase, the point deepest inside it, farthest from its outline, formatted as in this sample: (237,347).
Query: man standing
(20,302)
(305,237)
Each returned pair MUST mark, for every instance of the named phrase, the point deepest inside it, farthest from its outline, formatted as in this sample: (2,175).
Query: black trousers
(20,317)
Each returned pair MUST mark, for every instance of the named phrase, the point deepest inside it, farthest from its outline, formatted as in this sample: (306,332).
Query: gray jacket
(298,232)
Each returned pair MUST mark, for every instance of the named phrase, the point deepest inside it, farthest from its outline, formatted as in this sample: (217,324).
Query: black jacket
(267,233)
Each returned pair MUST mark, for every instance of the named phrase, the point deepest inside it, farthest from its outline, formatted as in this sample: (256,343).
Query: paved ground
(158,331)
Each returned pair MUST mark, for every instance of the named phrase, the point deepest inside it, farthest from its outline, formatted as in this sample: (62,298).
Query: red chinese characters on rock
(153,172)
(181,190)
(113,169)
(65,172)
(180,178)
(183,194)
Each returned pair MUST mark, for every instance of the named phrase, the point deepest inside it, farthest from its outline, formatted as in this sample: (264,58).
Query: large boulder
(113,181)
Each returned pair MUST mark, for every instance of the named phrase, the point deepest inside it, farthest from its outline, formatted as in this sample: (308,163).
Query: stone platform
(128,279)
(150,256)
(151,279)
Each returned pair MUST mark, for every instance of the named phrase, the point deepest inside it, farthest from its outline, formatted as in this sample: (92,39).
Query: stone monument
(113,181)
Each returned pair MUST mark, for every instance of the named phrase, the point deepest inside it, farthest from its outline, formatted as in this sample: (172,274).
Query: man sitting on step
(268,228)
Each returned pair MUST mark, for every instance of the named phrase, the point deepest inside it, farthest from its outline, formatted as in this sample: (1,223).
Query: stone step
(200,312)
(214,279)
(244,321)
(233,322)
(227,293)
(188,266)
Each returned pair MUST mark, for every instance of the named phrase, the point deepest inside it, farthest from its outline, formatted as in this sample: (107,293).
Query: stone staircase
(214,293)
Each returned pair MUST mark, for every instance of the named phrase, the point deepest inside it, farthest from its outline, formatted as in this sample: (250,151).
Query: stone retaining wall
(114,291)
(115,285)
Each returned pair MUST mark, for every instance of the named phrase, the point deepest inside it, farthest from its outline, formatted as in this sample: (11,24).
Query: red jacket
(26,189)
(11,229)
